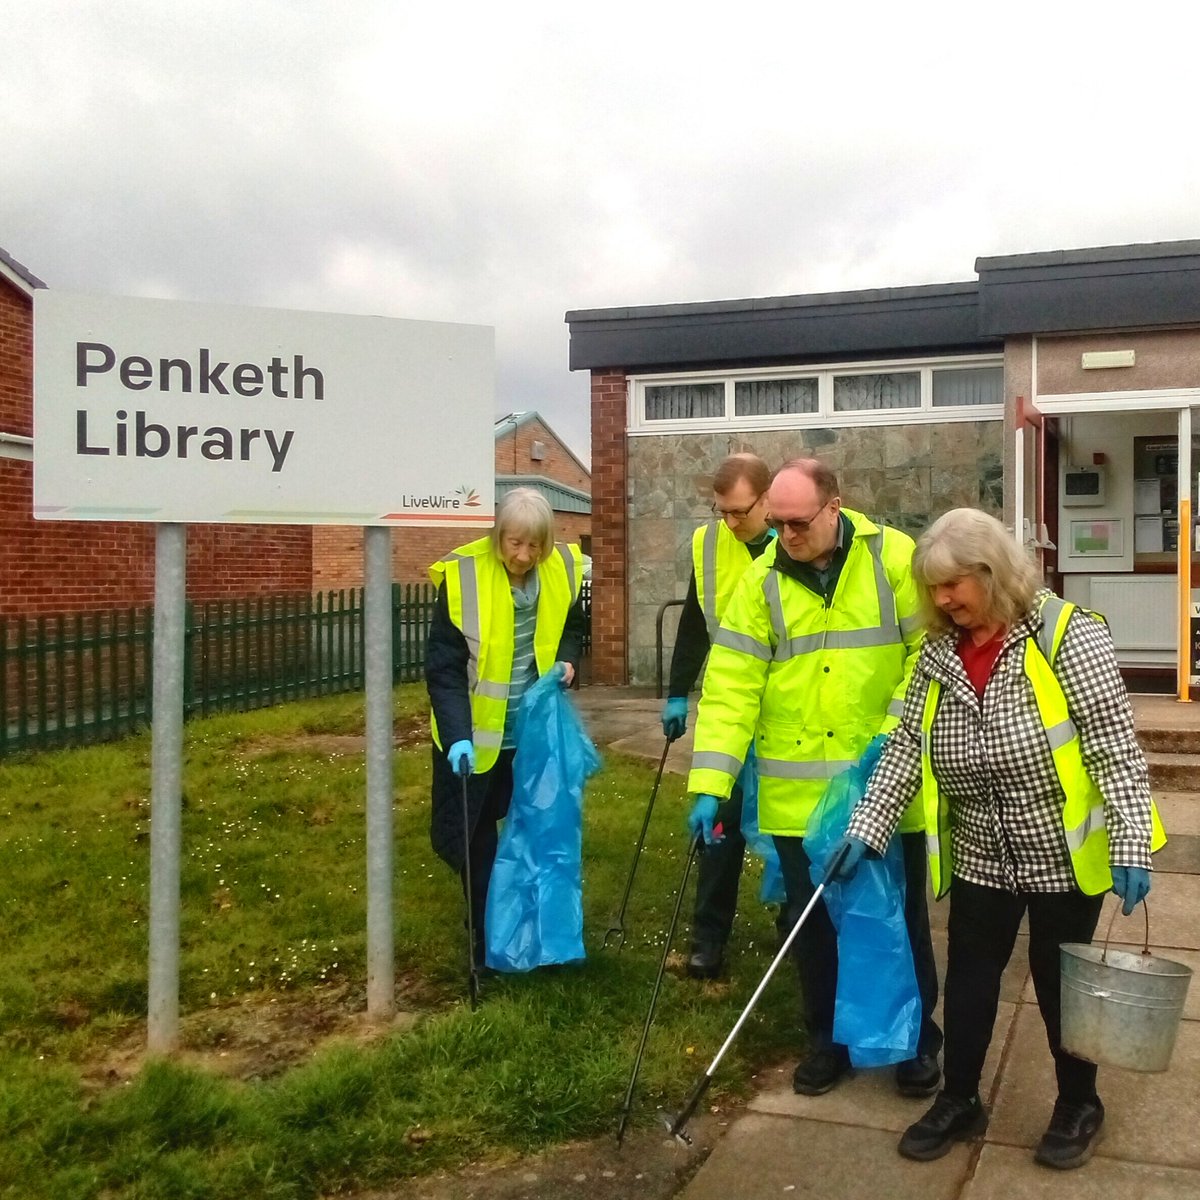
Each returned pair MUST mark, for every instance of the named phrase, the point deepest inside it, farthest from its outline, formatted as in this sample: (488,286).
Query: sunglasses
(795,525)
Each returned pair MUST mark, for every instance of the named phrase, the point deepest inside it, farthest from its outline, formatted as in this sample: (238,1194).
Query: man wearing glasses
(722,549)
(811,661)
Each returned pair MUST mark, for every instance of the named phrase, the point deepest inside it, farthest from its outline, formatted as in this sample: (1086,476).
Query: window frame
(638,426)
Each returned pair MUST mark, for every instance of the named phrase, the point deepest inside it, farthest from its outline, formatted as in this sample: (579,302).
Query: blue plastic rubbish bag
(535,897)
(878,1008)
(772,890)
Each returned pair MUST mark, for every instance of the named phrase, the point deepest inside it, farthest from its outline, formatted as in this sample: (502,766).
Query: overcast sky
(502,164)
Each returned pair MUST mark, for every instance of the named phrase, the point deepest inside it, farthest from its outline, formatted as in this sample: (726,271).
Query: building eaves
(1108,287)
(561,497)
(876,322)
(18,274)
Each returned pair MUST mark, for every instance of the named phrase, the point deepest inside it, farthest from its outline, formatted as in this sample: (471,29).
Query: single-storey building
(1054,390)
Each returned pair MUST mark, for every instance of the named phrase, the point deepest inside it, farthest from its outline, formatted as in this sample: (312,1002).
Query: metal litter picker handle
(464,771)
(627,1107)
(618,922)
(676,1124)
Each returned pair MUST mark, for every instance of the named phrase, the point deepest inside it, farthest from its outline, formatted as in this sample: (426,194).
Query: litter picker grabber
(627,1107)
(618,922)
(676,1124)
(464,770)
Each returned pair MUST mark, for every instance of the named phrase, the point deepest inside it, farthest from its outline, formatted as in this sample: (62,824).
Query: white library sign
(158,410)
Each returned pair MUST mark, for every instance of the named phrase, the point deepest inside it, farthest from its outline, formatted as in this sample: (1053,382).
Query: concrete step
(1174,772)
(1165,740)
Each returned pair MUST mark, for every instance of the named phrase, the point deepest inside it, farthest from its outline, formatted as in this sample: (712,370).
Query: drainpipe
(1184,552)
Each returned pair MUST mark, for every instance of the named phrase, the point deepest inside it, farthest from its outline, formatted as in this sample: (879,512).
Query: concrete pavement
(841,1146)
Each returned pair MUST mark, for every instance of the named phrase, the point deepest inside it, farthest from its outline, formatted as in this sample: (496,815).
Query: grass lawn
(281,1089)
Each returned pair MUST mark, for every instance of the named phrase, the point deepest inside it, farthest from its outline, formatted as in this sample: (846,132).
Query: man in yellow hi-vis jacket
(811,661)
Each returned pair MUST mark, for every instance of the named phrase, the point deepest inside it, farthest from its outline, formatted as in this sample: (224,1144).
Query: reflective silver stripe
(714,760)
(781,768)
(489,738)
(492,691)
(708,561)
(569,567)
(933,845)
(743,643)
(1062,733)
(887,598)
(896,707)
(775,604)
(1090,824)
(909,625)
(1051,611)
(468,583)
(926,742)
(837,639)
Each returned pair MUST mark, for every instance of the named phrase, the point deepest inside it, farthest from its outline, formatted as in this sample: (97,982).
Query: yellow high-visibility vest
(719,560)
(1083,806)
(808,685)
(479,596)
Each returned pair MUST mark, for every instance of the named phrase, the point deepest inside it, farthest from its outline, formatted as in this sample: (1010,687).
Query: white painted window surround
(885,392)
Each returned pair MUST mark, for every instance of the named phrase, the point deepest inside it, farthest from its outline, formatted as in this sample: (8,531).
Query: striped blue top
(524,667)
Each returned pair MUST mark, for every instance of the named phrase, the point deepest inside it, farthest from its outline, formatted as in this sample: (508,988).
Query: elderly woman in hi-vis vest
(1019,732)
(509,608)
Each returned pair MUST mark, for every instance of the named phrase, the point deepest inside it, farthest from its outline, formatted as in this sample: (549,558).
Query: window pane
(772,397)
(684,401)
(970,385)
(889,389)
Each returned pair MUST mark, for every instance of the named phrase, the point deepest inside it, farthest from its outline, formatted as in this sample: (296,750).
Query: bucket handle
(1108,935)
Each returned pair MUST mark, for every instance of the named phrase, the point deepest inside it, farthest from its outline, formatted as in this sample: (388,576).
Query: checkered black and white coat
(993,763)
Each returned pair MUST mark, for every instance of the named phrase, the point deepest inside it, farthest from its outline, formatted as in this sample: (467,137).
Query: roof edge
(18,274)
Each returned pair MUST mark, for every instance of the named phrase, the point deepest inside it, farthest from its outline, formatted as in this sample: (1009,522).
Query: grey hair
(966,541)
(525,511)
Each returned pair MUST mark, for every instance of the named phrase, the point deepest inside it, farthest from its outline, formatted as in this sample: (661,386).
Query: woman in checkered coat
(1018,728)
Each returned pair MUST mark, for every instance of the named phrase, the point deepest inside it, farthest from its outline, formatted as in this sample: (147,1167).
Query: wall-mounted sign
(152,410)
(1096,539)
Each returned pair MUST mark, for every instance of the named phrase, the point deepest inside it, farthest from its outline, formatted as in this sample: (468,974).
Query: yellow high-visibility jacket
(719,560)
(479,598)
(809,685)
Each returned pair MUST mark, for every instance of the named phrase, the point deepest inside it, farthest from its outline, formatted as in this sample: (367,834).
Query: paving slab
(1150,1118)
(1180,812)
(1173,903)
(768,1157)
(869,1098)
(1003,1173)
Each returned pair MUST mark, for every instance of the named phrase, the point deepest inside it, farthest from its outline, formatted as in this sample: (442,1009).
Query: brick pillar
(609,611)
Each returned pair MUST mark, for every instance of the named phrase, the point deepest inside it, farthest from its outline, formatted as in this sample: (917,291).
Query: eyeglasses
(739,514)
(796,525)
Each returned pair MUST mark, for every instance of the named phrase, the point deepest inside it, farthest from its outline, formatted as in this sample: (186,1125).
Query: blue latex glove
(1132,884)
(855,849)
(460,752)
(700,819)
(674,717)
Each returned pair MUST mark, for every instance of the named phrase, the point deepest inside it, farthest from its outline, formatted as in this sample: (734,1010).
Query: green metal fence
(69,679)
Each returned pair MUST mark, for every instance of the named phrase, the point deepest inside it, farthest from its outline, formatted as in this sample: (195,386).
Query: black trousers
(718,874)
(815,947)
(484,840)
(983,929)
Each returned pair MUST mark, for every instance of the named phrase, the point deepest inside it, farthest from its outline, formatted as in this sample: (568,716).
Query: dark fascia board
(1109,287)
(834,326)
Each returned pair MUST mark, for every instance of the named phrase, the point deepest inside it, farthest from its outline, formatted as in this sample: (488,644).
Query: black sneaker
(821,1071)
(1072,1134)
(920,1076)
(706,960)
(950,1120)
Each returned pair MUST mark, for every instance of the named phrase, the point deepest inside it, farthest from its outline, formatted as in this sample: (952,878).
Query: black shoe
(1072,1134)
(950,1120)
(706,960)
(920,1076)
(820,1071)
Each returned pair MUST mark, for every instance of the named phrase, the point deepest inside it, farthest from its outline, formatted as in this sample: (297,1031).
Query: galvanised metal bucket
(1121,1009)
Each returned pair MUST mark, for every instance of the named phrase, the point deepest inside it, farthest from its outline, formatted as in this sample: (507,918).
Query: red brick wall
(16,361)
(609,618)
(78,566)
(514,456)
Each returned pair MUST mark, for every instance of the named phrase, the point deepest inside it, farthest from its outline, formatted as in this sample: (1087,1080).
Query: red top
(978,661)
